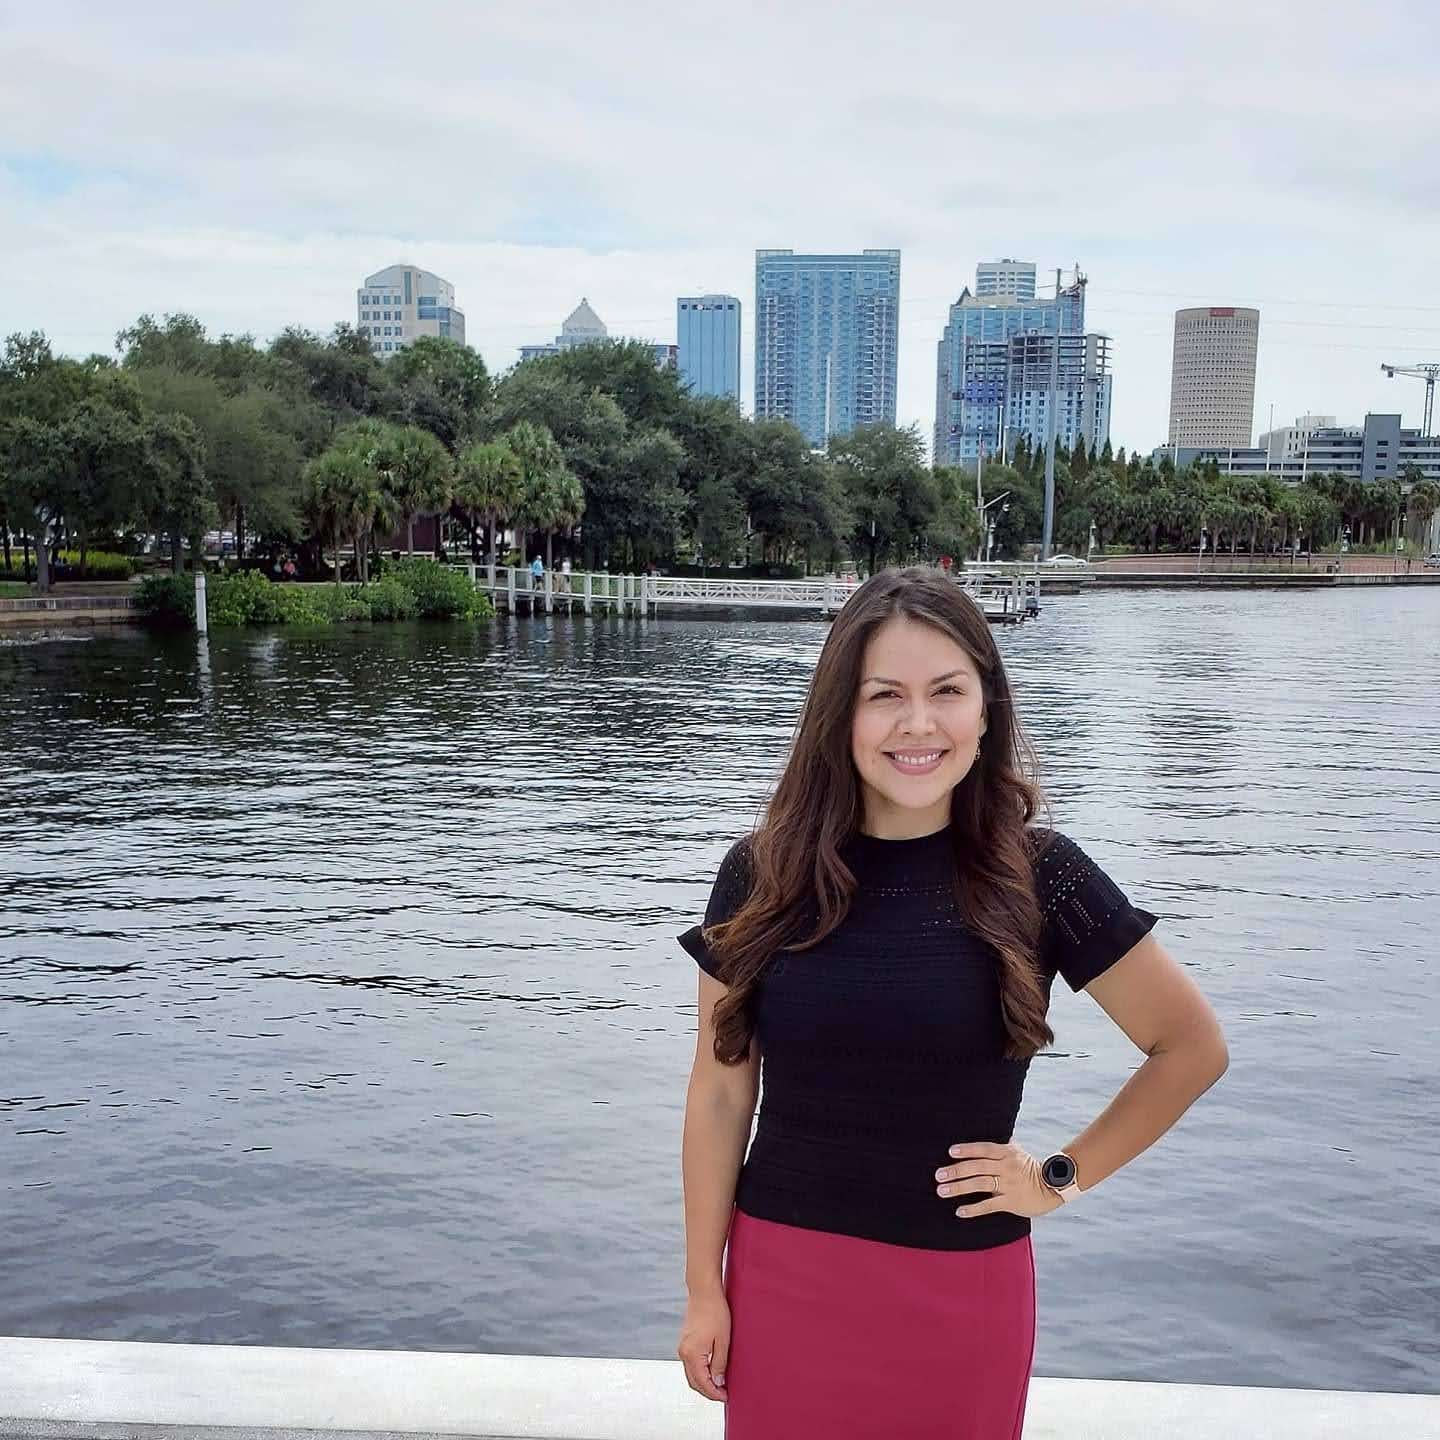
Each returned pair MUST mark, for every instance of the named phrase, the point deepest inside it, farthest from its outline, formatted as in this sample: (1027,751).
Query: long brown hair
(795,867)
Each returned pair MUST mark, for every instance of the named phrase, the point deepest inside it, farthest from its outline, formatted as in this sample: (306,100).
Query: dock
(1004,598)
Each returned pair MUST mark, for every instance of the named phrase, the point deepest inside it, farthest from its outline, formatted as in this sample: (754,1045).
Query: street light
(1090,548)
(987,528)
(1204,535)
(990,531)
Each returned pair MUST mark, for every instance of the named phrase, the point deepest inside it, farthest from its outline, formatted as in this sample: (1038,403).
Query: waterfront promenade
(106,1390)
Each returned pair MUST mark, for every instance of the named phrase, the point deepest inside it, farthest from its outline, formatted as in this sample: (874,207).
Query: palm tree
(330,481)
(559,505)
(488,485)
(538,458)
(418,475)
(350,490)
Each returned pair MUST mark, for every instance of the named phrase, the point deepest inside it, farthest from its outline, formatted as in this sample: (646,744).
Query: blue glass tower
(993,369)
(826,334)
(708,330)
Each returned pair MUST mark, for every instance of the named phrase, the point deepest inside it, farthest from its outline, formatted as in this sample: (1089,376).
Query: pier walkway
(114,1390)
(1005,599)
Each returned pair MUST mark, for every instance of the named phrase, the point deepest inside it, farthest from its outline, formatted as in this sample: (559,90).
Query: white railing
(1002,597)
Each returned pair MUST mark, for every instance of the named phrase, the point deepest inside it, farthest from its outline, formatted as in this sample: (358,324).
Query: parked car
(1432,562)
(1061,562)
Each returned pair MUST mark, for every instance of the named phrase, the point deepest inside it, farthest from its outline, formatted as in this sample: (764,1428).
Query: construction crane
(1427,373)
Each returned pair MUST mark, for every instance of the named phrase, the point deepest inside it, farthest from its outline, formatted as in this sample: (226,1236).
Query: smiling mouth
(915,762)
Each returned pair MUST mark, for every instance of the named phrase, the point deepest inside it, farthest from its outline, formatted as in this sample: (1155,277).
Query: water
(341,1003)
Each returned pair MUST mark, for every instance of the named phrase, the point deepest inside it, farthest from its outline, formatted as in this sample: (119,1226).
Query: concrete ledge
(112,1390)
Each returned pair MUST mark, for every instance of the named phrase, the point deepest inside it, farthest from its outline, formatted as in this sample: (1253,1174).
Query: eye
(882,694)
(953,689)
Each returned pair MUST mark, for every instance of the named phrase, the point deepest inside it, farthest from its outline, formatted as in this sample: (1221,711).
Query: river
(341,1003)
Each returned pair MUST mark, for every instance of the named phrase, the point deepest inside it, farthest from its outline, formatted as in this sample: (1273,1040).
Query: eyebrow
(881,680)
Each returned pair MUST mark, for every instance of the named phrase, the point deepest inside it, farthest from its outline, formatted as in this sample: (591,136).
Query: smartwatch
(1061,1174)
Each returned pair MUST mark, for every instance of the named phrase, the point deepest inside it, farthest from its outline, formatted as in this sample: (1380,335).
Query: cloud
(252,164)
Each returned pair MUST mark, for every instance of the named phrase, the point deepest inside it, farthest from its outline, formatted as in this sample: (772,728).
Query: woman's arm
(719,1106)
(1152,999)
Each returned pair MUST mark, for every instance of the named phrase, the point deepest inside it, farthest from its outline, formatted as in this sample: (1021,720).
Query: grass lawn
(13,590)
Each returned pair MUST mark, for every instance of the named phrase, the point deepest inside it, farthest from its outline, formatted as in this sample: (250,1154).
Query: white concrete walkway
(106,1390)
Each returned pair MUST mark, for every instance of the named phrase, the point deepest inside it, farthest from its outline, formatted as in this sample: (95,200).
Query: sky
(251,164)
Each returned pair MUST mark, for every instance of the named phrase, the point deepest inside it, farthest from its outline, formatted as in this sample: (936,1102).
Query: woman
(887,939)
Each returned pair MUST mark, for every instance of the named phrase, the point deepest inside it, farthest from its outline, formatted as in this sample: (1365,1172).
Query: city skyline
(149,167)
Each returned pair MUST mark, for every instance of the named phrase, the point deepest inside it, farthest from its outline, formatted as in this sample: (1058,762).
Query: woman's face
(919,714)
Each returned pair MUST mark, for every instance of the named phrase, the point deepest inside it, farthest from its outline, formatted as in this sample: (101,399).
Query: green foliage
(341,603)
(389,598)
(439,591)
(167,601)
(99,565)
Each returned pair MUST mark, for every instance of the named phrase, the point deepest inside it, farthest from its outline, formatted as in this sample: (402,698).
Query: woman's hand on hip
(993,1178)
(705,1343)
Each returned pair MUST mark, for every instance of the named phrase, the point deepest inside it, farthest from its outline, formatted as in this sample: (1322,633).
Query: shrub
(167,601)
(339,602)
(245,598)
(389,599)
(99,565)
(440,591)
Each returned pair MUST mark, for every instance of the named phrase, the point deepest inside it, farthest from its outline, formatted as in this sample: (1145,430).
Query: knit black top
(883,1045)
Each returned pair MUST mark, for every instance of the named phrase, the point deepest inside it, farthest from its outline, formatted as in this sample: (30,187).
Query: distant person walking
(882,946)
(537,572)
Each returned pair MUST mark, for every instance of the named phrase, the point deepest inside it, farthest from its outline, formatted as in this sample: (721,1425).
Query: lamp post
(1090,547)
(1200,554)
(987,527)
(990,532)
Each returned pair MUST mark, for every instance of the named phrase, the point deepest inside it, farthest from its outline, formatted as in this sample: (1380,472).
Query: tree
(892,493)
(348,492)
(537,459)
(443,387)
(488,486)
(178,501)
(416,474)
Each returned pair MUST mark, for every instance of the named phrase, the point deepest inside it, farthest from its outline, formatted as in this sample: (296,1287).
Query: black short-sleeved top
(883,1045)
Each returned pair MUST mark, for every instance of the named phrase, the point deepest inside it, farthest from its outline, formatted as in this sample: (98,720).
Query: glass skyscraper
(826,334)
(993,375)
(707,328)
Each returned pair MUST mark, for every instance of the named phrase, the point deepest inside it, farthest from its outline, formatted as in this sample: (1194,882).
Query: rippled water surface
(341,1004)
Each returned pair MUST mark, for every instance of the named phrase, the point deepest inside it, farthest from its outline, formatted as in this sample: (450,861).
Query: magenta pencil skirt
(849,1339)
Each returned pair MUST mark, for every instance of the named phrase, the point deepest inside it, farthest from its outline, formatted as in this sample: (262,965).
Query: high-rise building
(826,335)
(1212,376)
(1015,278)
(708,330)
(993,372)
(397,305)
(1082,389)
(582,326)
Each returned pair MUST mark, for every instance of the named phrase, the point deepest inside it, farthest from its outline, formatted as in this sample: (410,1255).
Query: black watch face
(1058,1171)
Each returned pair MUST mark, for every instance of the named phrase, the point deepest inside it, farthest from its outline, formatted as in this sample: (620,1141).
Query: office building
(582,326)
(1212,376)
(1012,278)
(398,305)
(992,381)
(708,330)
(826,337)
(1377,450)
(1286,442)
(1082,390)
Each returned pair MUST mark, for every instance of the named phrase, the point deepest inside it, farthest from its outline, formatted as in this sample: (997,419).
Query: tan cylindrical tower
(1212,376)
